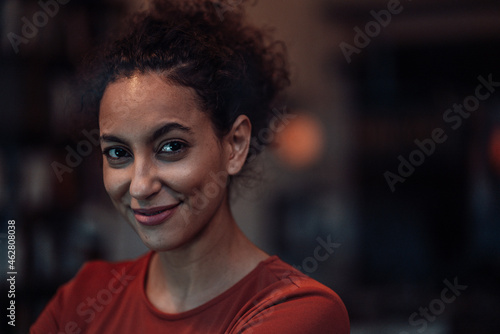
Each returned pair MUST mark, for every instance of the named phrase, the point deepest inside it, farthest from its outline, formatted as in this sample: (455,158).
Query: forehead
(146,99)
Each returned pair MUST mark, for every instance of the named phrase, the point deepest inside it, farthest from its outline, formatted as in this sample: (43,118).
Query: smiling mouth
(149,214)
(154,216)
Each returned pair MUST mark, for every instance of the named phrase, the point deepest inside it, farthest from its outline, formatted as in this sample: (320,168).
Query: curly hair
(234,68)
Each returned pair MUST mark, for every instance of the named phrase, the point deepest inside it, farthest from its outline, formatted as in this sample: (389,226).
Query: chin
(158,242)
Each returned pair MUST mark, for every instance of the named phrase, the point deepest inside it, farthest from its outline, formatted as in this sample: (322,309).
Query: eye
(115,153)
(173,147)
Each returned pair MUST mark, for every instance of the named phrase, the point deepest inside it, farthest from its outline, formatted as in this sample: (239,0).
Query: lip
(156,215)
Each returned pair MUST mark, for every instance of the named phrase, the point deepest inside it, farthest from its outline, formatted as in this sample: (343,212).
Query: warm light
(301,142)
(495,149)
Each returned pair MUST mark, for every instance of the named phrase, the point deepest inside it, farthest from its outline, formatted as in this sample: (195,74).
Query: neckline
(219,298)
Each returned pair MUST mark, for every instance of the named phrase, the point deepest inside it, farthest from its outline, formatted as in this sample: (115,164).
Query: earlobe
(239,141)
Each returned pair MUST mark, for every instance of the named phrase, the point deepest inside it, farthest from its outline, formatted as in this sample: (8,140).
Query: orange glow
(494,149)
(300,144)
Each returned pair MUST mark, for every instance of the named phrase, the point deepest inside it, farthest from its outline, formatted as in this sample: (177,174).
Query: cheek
(203,184)
(185,178)
(115,182)
(200,178)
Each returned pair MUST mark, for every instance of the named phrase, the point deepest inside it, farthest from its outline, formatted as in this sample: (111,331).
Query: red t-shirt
(273,298)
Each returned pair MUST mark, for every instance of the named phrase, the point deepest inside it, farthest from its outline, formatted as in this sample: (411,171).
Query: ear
(238,144)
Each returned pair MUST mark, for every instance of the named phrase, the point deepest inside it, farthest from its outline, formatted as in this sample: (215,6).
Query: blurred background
(390,163)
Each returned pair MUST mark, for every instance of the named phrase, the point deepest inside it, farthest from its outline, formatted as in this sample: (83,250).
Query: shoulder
(290,281)
(97,283)
(105,275)
(294,303)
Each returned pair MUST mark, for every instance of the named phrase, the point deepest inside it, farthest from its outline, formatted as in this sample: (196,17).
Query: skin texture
(200,251)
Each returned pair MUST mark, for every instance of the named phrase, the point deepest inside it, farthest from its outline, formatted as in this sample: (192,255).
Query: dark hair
(234,68)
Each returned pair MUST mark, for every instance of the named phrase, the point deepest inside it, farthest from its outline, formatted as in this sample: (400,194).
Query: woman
(179,98)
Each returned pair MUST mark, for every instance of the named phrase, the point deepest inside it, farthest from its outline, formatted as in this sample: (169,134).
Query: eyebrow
(156,134)
(170,127)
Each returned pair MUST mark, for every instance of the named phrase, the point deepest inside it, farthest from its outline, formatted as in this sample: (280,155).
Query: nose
(145,182)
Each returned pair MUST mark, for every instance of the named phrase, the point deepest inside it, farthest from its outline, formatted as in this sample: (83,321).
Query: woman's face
(164,167)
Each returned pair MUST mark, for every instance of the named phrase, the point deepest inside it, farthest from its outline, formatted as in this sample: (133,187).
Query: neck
(182,279)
